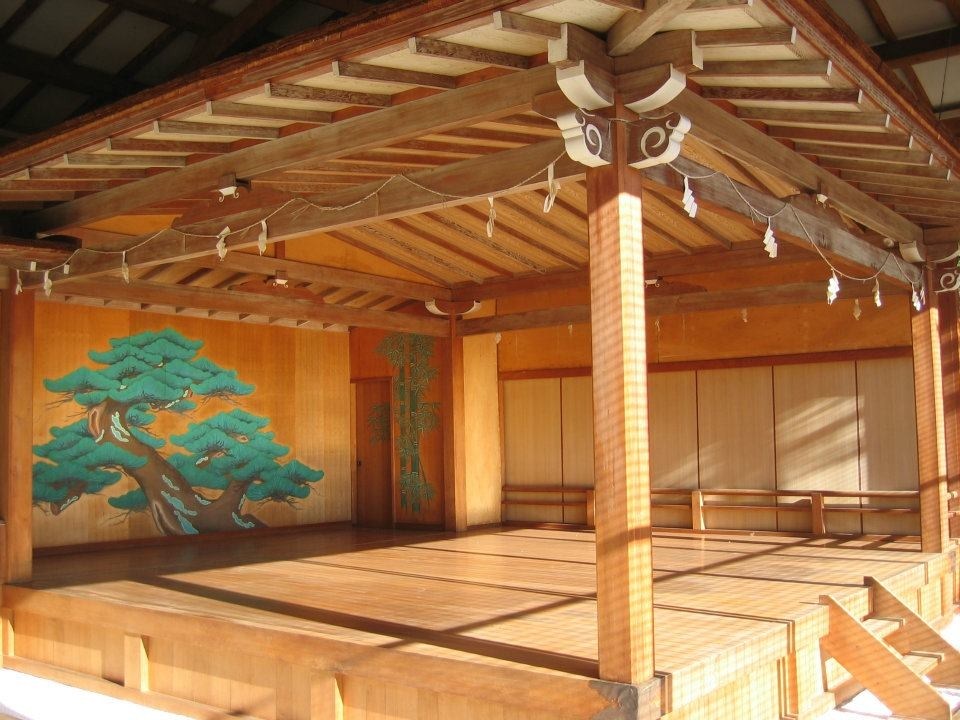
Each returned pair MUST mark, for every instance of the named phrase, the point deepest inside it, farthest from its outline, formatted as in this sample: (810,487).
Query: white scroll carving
(587,137)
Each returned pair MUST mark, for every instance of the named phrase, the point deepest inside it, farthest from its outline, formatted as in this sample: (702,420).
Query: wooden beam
(931,431)
(525,24)
(490,99)
(224,108)
(431,47)
(726,133)
(903,157)
(766,68)
(841,96)
(209,47)
(815,117)
(18,252)
(65,74)
(888,168)
(921,48)
(621,454)
(637,26)
(184,147)
(114,160)
(77,173)
(323,275)
(236,301)
(178,13)
(186,127)
(841,137)
(747,37)
(462,181)
(308,93)
(378,73)
(16,441)
(727,196)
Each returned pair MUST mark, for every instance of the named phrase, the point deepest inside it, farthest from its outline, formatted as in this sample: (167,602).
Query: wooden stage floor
(507,597)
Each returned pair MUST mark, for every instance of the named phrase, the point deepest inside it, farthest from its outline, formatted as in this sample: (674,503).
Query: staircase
(893,652)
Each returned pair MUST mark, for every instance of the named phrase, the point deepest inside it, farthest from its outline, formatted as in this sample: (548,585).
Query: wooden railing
(699,503)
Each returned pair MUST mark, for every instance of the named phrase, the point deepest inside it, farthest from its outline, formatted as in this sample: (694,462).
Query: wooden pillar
(950,365)
(621,457)
(16,434)
(931,434)
(454,436)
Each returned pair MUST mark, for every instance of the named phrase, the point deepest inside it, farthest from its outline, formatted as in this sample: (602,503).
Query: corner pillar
(16,435)
(622,476)
(931,431)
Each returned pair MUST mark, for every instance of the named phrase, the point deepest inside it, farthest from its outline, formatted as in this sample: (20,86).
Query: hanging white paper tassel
(19,288)
(33,266)
(553,187)
(857,312)
(124,268)
(491,218)
(833,288)
(770,241)
(47,283)
(262,237)
(876,294)
(222,242)
(66,268)
(915,299)
(689,201)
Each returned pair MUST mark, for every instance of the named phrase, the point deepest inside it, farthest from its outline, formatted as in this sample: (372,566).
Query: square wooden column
(16,433)
(931,432)
(950,366)
(621,456)
(454,436)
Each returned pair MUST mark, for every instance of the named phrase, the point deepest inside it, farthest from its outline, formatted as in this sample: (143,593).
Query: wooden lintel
(681,303)
(549,317)
(378,73)
(314,94)
(223,108)
(490,99)
(187,127)
(18,252)
(431,47)
(525,24)
(236,301)
(726,133)
(727,196)
(514,286)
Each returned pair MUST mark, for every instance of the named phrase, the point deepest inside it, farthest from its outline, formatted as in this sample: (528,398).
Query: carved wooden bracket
(650,141)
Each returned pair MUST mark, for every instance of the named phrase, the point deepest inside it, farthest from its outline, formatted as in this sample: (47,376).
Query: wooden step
(879,668)
(883,626)
(922,662)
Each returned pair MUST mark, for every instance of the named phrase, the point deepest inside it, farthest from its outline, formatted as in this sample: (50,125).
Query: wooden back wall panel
(301,384)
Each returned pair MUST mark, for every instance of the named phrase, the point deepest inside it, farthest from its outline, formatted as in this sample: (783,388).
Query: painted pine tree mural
(224,461)
(410,355)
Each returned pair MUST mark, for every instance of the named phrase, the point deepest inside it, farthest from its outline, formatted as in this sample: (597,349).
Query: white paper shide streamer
(491,218)
(833,288)
(770,241)
(553,187)
(222,242)
(689,201)
(261,238)
(876,294)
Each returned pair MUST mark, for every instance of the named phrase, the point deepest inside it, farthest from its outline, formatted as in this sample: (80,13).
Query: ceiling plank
(747,37)
(525,25)
(182,147)
(236,301)
(728,134)
(112,159)
(766,68)
(468,105)
(841,137)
